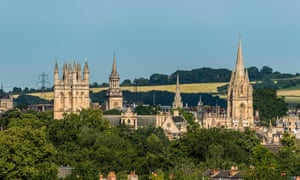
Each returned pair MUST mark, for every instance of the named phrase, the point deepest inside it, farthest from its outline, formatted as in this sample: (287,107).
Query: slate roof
(143,120)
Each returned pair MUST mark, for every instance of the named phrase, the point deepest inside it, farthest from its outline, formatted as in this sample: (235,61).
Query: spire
(200,101)
(56,68)
(247,76)
(114,71)
(270,126)
(86,67)
(56,72)
(177,103)
(239,69)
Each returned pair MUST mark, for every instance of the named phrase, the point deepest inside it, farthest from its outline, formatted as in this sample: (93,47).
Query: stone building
(240,101)
(240,95)
(6,103)
(71,92)
(114,94)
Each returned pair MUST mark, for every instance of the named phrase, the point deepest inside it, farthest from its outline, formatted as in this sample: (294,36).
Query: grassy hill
(184,88)
(292,95)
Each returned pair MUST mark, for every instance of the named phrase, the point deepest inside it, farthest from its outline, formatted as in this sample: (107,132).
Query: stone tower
(177,103)
(114,94)
(240,99)
(71,93)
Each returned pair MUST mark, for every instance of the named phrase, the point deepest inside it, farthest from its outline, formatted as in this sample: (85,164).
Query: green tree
(26,154)
(186,169)
(263,164)
(147,110)
(289,156)
(214,157)
(269,105)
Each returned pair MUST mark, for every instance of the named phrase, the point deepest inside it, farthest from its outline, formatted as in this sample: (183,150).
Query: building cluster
(71,95)
(239,112)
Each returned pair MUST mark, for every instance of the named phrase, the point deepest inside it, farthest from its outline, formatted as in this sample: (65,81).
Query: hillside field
(184,88)
(291,95)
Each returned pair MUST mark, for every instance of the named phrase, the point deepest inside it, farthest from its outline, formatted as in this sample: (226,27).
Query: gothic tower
(71,93)
(177,103)
(114,93)
(240,99)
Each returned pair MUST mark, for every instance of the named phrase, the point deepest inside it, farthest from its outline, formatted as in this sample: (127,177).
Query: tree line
(199,75)
(206,75)
(33,145)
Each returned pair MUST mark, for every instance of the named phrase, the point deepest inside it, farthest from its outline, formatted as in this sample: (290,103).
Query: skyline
(146,36)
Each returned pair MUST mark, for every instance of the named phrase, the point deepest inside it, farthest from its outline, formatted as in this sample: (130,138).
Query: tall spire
(114,71)
(239,69)
(177,103)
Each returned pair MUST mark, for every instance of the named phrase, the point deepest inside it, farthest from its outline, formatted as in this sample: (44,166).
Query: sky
(147,36)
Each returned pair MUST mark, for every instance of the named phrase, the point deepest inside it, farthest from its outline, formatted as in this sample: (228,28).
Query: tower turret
(56,76)
(86,72)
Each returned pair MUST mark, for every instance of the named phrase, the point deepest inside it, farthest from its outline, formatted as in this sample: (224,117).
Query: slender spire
(86,67)
(177,82)
(56,68)
(114,71)
(239,69)
(200,101)
(177,103)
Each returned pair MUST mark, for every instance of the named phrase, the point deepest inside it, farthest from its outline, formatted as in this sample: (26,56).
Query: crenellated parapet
(71,90)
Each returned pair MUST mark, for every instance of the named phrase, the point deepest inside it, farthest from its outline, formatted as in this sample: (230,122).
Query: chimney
(111,176)
(133,176)
(214,172)
(234,170)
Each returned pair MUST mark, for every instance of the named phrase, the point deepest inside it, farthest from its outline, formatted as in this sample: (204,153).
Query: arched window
(242,111)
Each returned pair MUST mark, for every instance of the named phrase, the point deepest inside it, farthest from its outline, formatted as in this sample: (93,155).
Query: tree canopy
(269,105)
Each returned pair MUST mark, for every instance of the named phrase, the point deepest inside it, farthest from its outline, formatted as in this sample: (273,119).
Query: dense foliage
(33,146)
(205,74)
(25,150)
(269,105)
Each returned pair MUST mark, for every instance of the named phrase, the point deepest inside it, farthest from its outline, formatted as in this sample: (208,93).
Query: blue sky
(148,36)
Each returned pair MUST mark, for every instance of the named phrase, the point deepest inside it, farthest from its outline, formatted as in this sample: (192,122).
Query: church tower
(239,98)
(71,93)
(114,94)
(177,103)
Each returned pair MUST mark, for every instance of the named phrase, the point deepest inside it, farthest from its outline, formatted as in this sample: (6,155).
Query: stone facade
(240,102)
(6,103)
(114,94)
(240,98)
(71,92)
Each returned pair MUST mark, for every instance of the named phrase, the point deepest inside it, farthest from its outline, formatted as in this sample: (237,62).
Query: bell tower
(114,94)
